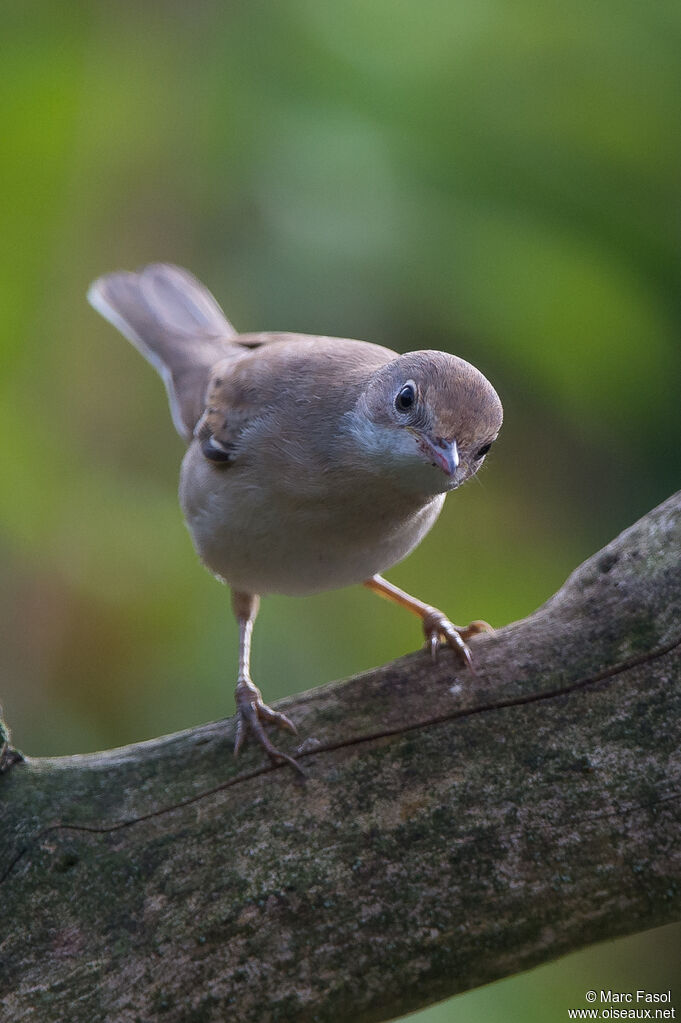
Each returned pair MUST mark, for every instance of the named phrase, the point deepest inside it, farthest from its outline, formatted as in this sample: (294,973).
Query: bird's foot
(438,628)
(252,713)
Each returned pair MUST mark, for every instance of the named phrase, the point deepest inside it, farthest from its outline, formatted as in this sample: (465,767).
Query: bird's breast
(273,533)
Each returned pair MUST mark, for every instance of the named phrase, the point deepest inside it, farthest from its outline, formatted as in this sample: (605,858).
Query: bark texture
(453,828)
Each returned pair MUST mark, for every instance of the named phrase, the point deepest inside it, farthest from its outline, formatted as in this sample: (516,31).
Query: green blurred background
(497,179)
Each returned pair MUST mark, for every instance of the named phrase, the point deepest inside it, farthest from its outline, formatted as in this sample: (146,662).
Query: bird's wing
(225,416)
(282,381)
(176,324)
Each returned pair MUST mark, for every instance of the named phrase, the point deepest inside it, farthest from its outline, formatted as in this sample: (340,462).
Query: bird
(312,462)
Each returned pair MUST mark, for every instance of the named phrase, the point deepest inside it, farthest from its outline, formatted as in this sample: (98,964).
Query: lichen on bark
(531,809)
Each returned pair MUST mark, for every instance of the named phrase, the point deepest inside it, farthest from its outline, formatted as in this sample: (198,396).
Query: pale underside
(296,544)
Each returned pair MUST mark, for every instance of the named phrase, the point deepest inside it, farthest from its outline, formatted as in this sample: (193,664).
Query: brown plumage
(313,462)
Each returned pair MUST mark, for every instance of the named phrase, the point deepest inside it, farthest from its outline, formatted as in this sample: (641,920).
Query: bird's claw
(252,712)
(438,628)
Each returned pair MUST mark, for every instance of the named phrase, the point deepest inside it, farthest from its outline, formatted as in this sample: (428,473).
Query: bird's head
(428,418)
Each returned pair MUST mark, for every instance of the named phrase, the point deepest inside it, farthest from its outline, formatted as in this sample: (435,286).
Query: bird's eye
(483,451)
(406,397)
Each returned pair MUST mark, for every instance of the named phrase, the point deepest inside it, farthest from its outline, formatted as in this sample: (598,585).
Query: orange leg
(436,625)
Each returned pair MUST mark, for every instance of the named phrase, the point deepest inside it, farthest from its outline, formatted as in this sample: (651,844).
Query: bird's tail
(175,323)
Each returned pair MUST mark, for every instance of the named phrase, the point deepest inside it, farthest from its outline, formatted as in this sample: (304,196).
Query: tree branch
(453,829)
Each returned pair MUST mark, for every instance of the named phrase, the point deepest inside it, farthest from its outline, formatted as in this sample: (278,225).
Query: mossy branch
(453,829)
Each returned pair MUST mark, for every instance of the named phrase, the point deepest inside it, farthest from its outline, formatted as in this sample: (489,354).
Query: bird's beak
(443,453)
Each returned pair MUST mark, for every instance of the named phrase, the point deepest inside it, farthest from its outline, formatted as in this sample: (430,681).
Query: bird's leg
(436,625)
(249,703)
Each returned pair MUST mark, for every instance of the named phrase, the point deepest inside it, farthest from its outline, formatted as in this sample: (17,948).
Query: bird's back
(177,325)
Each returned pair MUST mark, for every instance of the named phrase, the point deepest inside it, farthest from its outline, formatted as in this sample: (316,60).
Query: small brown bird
(313,462)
